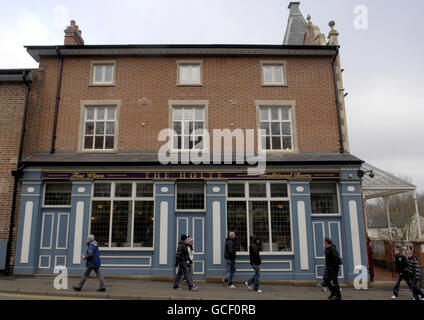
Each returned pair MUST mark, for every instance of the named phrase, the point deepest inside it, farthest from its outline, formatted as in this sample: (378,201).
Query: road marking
(45,297)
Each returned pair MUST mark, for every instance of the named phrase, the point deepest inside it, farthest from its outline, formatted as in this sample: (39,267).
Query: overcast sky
(383,63)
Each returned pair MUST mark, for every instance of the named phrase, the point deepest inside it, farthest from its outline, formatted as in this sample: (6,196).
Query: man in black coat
(181,259)
(230,257)
(402,271)
(255,262)
(332,266)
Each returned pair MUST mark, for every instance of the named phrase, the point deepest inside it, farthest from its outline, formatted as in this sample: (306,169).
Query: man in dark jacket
(230,257)
(402,271)
(414,271)
(331,272)
(255,262)
(181,259)
(92,262)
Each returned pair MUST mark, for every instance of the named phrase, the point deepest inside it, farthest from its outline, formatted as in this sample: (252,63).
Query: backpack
(339,260)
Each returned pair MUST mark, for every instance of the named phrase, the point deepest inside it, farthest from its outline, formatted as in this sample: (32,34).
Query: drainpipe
(56,109)
(17,175)
(339,118)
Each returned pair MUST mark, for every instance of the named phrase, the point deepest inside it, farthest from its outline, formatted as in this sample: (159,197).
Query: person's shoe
(330,297)
(335,298)
(259,291)
(225,281)
(101,289)
(247,284)
(177,287)
(76,288)
(323,288)
(194,288)
(394,297)
(231,287)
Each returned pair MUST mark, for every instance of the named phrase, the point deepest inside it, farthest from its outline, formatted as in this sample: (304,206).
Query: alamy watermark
(361,280)
(360,22)
(200,153)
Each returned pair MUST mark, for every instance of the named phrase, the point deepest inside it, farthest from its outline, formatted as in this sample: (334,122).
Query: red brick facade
(231,84)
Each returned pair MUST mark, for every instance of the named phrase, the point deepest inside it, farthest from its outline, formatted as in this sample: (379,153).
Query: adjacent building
(92,164)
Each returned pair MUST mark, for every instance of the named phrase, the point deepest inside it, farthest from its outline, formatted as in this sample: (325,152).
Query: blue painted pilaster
(26,260)
(216,209)
(303,266)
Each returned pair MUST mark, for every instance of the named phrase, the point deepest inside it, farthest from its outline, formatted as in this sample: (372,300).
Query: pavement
(141,289)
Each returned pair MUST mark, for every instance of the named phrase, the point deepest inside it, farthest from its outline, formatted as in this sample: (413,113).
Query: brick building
(92,164)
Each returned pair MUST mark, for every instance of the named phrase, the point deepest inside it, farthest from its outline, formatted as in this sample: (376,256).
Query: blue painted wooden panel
(62,235)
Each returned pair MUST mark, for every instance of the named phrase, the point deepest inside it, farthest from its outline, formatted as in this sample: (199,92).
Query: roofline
(180,49)
(16,75)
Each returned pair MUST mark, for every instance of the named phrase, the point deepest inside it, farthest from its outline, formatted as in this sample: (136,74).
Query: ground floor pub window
(190,196)
(324,198)
(57,194)
(260,209)
(122,214)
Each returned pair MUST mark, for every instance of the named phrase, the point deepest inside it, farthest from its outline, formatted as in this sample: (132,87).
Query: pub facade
(94,169)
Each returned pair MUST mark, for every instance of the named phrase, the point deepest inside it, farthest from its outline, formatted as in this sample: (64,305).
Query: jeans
(416,291)
(332,282)
(255,278)
(399,279)
(87,274)
(182,270)
(231,269)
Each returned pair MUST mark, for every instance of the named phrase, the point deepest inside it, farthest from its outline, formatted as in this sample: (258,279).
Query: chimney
(73,35)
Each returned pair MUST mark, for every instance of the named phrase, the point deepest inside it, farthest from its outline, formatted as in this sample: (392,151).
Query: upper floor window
(58,194)
(277,125)
(188,128)
(189,73)
(103,73)
(99,128)
(324,198)
(273,73)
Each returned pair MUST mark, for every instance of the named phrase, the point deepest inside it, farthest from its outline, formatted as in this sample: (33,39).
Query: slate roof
(76,158)
(296,26)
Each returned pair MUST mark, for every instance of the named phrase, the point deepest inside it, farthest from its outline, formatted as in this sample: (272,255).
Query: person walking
(331,272)
(182,257)
(401,263)
(255,262)
(191,257)
(92,262)
(230,257)
(414,274)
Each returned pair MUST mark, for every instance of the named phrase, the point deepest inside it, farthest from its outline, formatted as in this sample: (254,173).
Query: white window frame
(103,65)
(133,198)
(204,104)
(274,63)
(190,210)
(96,104)
(189,63)
(44,195)
(338,201)
(291,105)
(268,198)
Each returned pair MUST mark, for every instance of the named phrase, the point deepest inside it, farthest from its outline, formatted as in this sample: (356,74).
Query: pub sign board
(170,175)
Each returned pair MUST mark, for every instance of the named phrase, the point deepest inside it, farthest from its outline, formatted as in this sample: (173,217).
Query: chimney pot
(73,35)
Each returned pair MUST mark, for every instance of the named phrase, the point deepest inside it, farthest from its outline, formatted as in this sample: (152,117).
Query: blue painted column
(164,237)
(78,226)
(26,257)
(303,267)
(216,228)
(354,229)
